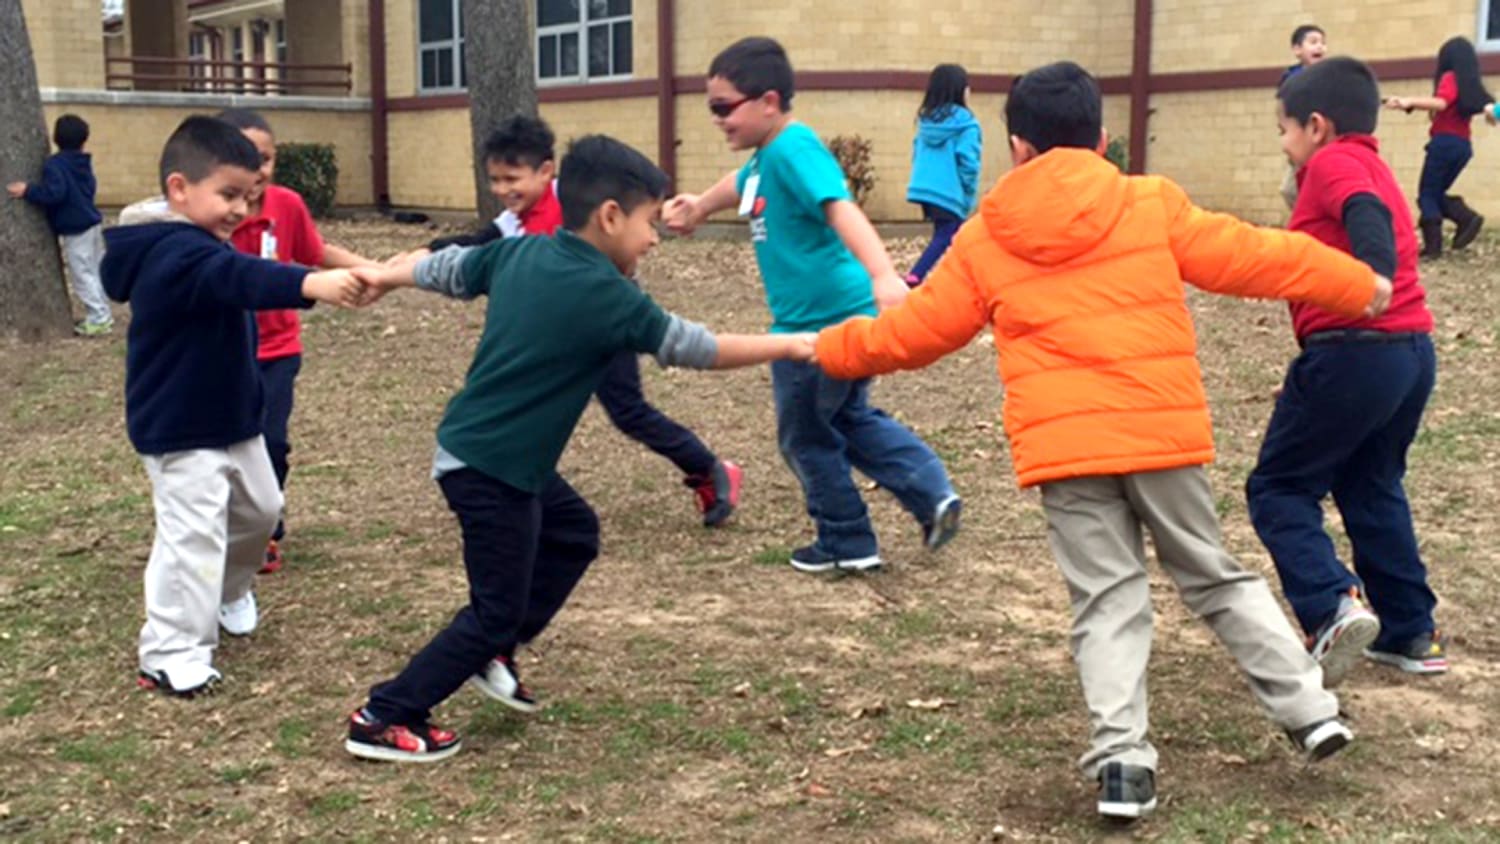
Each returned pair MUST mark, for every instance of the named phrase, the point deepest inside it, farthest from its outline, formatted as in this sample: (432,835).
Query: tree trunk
(502,77)
(33,298)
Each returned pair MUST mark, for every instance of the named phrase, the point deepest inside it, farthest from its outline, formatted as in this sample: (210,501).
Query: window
(198,54)
(440,46)
(237,55)
(281,41)
(583,40)
(1489,25)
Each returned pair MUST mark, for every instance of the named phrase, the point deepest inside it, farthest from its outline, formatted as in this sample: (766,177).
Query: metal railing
(211,76)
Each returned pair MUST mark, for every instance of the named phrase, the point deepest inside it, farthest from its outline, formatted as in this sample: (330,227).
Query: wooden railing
(206,76)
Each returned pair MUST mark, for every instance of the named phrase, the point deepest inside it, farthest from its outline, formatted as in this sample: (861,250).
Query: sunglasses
(726,109)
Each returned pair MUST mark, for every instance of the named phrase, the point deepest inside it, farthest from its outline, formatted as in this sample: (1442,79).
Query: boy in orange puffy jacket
(1078,269)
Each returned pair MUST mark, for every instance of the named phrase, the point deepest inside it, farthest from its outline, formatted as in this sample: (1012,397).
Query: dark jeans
(523,554)
(944,225)
(1346,416)
(823,427)
(620,394)
(278,378)
(1446,157)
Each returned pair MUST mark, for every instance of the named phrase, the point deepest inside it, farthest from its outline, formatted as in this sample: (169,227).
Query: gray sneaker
(1341,641)
(1126,792)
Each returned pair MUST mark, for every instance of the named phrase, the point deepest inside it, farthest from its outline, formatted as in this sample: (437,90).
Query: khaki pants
(215,509)
(1094,525)
(84,252)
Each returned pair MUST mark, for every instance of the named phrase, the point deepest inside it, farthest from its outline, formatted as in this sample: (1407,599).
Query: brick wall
(67,38)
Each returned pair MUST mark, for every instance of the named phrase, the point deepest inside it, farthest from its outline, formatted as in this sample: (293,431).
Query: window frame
(580,28)
(455,44)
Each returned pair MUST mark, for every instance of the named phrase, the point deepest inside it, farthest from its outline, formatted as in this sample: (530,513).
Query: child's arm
(688,344)
(442,272)
(337,257)
(939,317)
(17,190)
(685,212)
(1409,104)
(51,191)
(860,237)
(970,144)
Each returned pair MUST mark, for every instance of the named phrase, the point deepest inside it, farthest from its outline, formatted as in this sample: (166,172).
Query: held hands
(16,189)
(802,347)
(378,281)
(335,287)
(890,290)
(1382,298)
(681,214)
(1399,103)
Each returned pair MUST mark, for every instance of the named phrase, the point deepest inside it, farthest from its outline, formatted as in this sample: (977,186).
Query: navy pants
(944,225)
(1446,157)
(620,394)
(523,554)
(278,379)
(1347,414)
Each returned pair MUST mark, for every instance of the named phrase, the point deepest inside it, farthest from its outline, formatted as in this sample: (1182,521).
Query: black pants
(620,394)
(278,379)
(523,553)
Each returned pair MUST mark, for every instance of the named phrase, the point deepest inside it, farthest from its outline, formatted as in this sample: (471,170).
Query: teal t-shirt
(558,312)
(812,280)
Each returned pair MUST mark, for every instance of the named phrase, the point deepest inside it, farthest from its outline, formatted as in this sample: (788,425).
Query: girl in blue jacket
(944,162)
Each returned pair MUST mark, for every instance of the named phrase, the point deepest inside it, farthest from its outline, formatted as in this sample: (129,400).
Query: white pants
(215,509)
(84,251)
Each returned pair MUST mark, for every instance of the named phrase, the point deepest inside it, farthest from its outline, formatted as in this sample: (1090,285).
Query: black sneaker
(944,523)
(192,680)
(1126,792)
(500,681)
(1426,654)
(809,559)
(1321,739)
(371,739)
(718,492)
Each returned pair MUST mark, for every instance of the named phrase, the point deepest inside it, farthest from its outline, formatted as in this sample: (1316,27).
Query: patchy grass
(696,687)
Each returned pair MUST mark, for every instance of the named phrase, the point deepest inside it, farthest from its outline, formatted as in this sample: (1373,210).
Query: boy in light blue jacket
(944,162)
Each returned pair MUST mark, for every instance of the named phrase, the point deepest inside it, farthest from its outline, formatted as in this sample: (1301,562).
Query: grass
(695,687)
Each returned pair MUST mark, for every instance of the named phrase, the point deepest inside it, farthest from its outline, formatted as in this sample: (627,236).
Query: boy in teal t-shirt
(822,263)
(560,310)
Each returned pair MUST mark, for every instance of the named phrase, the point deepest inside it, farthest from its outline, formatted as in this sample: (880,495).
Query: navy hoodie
(191,380)
(66,191)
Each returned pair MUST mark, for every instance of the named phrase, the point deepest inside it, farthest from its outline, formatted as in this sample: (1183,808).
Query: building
(1189,82)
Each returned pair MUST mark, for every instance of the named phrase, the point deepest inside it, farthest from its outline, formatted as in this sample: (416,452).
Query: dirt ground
(697,688)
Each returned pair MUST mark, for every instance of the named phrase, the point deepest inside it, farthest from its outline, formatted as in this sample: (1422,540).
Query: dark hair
(522,140)
(244,118)
(599,168)
(201,144)
(945,91)
(1300,33)
(1457,56)
(70,132)
(1057,105)
(1342,89)
(755,66)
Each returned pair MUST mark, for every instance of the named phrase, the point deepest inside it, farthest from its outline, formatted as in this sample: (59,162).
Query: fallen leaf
(815,789)
(933,703)
(836,752)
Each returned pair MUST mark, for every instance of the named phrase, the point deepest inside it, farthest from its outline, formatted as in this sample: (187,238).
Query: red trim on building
(1140,85)
(380,175)
(666,106)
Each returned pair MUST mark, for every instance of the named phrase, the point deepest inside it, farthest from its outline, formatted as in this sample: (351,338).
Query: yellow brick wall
(126,143)
(1219,34)
(67,39)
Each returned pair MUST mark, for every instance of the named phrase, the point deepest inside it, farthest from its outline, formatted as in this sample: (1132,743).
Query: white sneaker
(238,618)
(502,682)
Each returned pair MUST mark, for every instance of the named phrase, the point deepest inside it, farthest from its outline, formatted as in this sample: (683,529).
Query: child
(66,191)
(1353,398)
(1309,46)
(560,310)
(278,227)
(944,162)
(1079,270)
(519,159)
(193,403)
(821,262)
(1458,95)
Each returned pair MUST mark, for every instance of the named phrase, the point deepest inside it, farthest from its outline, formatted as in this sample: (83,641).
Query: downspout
(379,143)
(666,89)
(1140,85)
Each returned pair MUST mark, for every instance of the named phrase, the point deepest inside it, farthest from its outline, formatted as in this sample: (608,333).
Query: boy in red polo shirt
(279,227)
(1353,398)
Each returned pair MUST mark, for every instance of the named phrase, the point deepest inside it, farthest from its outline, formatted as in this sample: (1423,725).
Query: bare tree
(501,77)
(33,297)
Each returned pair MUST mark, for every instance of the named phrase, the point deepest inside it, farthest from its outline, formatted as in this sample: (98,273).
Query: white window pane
(546,52)
(623,44)
(599,50)
(435,21)
(598,9)
(1492,30)
(567,64)
(553,12)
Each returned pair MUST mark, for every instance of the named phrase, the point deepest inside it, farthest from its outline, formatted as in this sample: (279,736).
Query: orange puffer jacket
(1079,269)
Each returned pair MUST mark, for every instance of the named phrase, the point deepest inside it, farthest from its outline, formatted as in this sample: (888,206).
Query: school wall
(67,40)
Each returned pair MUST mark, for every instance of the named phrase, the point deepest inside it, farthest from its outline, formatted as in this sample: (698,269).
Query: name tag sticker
(747,198)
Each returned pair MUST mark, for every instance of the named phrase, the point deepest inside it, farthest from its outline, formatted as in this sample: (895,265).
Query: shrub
(1118,152)
(311,170)
(853,154)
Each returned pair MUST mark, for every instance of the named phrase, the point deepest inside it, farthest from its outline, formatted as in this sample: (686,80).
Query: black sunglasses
(726,109)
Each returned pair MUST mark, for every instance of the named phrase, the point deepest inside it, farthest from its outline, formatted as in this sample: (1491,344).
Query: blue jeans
(823,427)
(278,378)
(1446,157)
(1345,419)
(944,225)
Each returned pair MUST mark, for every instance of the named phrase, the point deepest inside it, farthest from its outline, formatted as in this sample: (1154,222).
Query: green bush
(853,154)
(1118,152)
(311,170)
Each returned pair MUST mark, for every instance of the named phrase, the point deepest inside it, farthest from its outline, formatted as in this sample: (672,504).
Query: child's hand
(336,287)
(1399,103)
(680,214)
(890,290)
(802,348)
(377,282)
(411,257)
(16,189)
(1382,298)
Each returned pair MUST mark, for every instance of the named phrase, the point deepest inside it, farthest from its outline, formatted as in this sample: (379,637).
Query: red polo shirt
(545,215)
(1348,166)
(1449,121)
(283,231)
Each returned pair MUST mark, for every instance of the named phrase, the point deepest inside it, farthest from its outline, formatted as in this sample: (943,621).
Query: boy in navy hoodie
(193,403)
(66,193)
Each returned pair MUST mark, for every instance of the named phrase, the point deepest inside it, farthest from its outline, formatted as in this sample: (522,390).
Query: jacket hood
(127,250)
(1079,193)
(79,165)
(939,132)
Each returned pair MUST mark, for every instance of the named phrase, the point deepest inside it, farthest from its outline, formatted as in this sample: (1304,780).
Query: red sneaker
(718,493)
(274,560)
(371,739)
